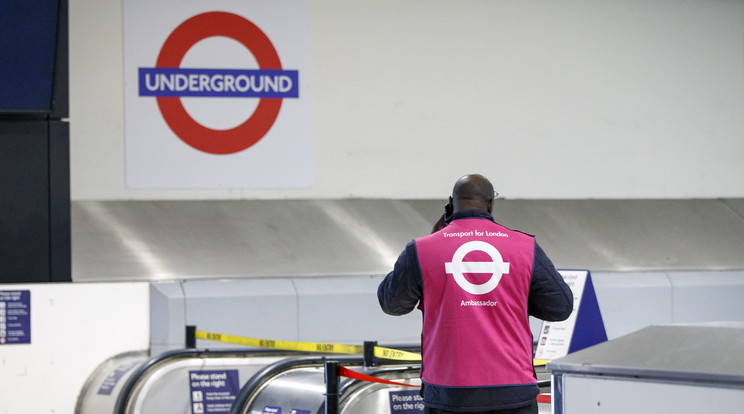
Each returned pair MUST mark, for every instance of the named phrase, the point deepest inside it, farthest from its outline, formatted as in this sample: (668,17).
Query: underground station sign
(218,99)
(168,82)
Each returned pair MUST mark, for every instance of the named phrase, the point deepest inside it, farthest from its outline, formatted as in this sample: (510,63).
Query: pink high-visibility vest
(476,277)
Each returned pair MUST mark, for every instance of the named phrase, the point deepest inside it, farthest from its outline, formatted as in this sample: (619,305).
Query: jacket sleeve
(402,288)
(550,297)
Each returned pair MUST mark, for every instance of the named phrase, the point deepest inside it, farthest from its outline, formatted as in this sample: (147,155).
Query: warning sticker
(213,391)
(406,402)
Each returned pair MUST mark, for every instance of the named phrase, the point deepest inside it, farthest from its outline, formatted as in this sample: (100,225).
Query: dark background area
(34,142)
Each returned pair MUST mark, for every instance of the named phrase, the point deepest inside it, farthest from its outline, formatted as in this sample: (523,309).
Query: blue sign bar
(253,83)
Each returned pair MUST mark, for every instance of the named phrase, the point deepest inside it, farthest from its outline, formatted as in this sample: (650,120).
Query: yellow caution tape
(389,353)
(380,352)
(284,345)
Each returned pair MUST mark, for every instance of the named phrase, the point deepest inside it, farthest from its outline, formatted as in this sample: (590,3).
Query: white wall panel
(631,301)
(345,310)
(707,296)
(74,327)
(577,99)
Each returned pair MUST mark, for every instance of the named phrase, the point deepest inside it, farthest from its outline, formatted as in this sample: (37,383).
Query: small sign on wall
(582,329)
(406,402)
(213,391)
(15,317)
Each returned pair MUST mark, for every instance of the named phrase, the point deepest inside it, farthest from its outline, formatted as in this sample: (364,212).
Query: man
(475,282)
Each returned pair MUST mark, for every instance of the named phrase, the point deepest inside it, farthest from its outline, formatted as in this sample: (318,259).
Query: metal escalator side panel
(163,383)
(300,374)
(296,390)
(100,391)
(360,397)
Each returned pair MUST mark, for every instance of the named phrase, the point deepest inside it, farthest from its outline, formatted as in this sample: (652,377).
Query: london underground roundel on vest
(168,82)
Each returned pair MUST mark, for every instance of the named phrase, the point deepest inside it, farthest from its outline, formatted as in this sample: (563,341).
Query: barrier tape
(389,353)
(346,372)
(539,362)
(544,399)
(380,352)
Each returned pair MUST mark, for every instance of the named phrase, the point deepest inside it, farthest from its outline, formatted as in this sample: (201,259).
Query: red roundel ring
(186,35)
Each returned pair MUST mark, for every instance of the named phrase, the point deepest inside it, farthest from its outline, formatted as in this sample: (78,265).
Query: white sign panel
(555,337)
(217,94)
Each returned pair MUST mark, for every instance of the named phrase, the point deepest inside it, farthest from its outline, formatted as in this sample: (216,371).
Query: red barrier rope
(345,372)
(544,398)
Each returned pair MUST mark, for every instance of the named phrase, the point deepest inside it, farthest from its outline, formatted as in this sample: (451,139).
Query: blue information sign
(213,391)
(406,402)
(15,317)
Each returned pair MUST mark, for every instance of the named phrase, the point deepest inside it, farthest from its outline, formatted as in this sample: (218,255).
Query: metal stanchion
(190,336)
(369,354)
(331,380)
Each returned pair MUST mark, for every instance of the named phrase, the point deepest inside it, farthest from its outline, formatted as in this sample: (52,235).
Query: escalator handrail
(122,401)
(271,370)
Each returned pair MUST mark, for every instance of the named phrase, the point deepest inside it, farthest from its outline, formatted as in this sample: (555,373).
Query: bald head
(472,192)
